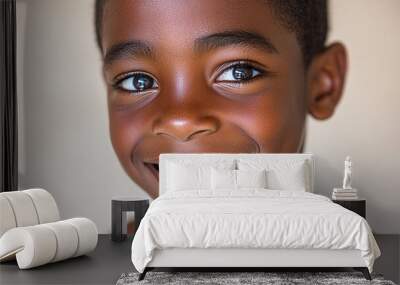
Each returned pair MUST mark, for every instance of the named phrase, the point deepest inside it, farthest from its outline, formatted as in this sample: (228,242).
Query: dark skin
(227,96)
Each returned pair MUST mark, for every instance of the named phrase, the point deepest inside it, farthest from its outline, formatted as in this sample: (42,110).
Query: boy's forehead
(175,24)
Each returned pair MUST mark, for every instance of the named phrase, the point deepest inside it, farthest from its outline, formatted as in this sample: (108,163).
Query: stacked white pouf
(344,194)
(31,231)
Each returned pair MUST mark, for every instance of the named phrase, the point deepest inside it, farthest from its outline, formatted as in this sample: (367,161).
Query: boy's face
(217,76)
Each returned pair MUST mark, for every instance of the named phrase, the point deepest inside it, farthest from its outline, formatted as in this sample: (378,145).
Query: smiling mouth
(153,167)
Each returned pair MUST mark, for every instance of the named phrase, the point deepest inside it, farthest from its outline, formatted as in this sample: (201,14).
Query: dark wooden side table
(358,206)
(119,207)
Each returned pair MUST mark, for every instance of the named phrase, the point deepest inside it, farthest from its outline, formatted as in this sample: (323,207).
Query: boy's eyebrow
(234,37)
(133,48)
(139,48)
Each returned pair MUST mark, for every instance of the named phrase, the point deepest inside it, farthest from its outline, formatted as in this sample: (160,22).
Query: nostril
(200,132)
(185,128)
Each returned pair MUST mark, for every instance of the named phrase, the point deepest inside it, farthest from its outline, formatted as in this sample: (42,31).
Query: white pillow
(181,177)
(282,174)
(185,174)
(251,178)
(223,179)
(228,179)
(293,178)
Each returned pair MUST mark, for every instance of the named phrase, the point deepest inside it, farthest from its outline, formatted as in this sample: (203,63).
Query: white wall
(65,144)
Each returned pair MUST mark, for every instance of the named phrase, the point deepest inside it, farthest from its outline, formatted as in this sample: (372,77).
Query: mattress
(250,218)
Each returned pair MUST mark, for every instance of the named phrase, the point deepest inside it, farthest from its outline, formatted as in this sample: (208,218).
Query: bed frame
(248,259)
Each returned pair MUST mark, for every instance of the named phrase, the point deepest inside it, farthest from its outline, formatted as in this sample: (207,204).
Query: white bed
(248,227)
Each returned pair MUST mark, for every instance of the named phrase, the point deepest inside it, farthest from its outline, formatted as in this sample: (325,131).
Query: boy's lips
(153,167)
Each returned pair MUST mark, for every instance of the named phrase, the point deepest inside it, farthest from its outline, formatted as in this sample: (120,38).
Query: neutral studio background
(64,142)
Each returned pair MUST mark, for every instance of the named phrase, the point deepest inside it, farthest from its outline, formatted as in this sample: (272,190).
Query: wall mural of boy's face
(208,76)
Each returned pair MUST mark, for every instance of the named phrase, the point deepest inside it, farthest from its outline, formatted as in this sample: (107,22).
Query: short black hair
(308,19)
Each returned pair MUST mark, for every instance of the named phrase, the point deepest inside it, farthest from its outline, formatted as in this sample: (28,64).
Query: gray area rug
(229,278)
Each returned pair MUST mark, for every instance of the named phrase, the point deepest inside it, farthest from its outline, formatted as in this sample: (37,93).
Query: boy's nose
(185,127)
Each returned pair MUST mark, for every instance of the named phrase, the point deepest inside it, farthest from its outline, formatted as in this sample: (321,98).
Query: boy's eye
(136,83)
(239,73)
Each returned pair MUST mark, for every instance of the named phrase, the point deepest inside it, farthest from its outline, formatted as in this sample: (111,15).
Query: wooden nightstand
(358,206)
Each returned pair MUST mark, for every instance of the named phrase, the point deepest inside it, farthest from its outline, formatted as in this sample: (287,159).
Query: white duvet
(252,218)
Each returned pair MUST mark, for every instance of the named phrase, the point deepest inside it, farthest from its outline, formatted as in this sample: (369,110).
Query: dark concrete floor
(388,263)
(102,266)
(111,259)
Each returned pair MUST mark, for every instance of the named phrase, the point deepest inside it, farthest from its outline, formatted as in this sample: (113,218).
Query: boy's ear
(325,81)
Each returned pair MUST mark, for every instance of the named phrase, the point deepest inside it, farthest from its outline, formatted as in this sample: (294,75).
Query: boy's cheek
(275,122)
(274,132)
(124,134)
